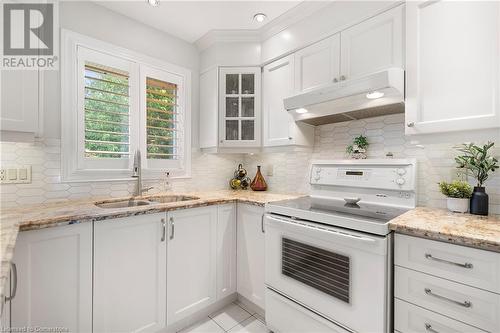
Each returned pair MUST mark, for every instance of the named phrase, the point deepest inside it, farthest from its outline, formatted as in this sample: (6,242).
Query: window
(115,102)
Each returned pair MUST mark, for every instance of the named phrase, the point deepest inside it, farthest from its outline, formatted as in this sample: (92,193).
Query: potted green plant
(478,162)
(458,193)
(358,147)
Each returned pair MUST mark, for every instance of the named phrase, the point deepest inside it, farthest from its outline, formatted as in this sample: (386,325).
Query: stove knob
(400,181)
(401,171)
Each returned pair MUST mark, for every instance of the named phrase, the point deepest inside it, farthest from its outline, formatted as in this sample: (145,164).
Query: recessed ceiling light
(301,110)
(374,94)
(260,17)
(153,3)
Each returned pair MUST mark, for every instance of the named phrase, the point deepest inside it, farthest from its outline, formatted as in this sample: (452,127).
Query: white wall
(101,23)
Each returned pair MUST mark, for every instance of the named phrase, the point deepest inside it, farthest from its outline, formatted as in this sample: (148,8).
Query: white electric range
(329,255)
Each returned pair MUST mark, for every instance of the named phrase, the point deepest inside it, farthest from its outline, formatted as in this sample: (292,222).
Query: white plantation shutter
(163,118)
(107,112)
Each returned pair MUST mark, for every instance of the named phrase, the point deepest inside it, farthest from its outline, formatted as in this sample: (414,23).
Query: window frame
(74,166)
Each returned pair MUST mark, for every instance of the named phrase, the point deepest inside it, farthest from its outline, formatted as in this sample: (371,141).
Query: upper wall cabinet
(317,65)
(280,129)
(452,66)
(239,101)
(209,108)
(19,105)
(372,45)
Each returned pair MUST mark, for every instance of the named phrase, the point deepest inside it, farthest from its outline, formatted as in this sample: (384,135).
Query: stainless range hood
(374,95)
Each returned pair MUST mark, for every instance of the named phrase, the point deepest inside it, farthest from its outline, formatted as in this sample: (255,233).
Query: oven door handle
(324,230)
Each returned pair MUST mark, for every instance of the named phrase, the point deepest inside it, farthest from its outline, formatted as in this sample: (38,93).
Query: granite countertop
(481,232)
(55,214)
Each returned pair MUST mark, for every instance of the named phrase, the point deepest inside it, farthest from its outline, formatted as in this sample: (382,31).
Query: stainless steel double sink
(143,202)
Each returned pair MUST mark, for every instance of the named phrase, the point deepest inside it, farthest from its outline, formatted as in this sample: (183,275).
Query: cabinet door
(452,66)
(5,306)
(317,65)
(209,111)
(280,129)
(226,250)
(19,100)
(373,45)
(54,278)
(240,92)
(191,261)
(129,274)
(251,254)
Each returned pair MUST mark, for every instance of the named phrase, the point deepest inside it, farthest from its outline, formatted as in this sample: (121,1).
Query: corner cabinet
(452,66)
(54,278)
(280,129)
(239,106)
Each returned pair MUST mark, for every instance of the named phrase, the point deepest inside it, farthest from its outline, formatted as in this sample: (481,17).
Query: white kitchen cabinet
(452,66)
(54,278)
(5,306)
(130,273)
(209,108)
(317,65)
(280,129)
(19,100)
(251,253)
(239,107)
(226,250)
(191,261)
(372,45)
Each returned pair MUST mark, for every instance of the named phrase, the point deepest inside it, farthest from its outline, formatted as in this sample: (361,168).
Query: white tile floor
(233,318)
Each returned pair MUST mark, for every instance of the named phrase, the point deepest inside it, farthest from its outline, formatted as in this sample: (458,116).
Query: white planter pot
(458,205)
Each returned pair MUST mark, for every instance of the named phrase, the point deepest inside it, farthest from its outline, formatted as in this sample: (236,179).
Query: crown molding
(290,17)
(226,36)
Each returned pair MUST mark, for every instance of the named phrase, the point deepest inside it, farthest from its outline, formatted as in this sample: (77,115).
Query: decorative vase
(458,205)
(479,202)
(258,183)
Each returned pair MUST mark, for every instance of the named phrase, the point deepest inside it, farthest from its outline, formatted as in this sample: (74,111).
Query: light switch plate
(15,174)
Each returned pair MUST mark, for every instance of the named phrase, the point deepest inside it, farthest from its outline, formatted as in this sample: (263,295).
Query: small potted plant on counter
(458,193)
(478,162)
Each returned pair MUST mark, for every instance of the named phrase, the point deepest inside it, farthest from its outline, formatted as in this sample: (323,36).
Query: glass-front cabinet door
(239,106)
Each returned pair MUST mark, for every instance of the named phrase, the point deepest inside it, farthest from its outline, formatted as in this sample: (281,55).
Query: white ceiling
(190,20)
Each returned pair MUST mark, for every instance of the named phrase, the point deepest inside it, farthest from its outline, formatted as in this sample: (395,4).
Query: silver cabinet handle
(14,279)
(262,224)
(465,304)
(464,265)
(410,124)
(172,228)
(342,77)
(164,229)
(428,328)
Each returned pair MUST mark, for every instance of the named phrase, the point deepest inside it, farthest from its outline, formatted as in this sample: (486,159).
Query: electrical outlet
(16,175)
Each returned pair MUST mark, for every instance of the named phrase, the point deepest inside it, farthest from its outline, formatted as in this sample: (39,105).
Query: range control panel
(389,174)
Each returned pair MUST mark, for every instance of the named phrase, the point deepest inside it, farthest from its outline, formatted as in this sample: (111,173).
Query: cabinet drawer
(477,268)
(470,305)
(409,318)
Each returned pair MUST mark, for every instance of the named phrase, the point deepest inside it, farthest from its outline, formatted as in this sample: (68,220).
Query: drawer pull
(465,304)
(428,328)
(466,265)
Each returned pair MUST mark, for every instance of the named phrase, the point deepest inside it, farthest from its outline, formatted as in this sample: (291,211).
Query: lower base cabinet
(251,253)
(54,278)
(191,261)
(129,274)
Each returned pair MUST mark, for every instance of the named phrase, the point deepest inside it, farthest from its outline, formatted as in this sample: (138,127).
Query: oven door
(338,273)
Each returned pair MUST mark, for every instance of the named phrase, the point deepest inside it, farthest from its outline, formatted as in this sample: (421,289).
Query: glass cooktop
(332,206)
